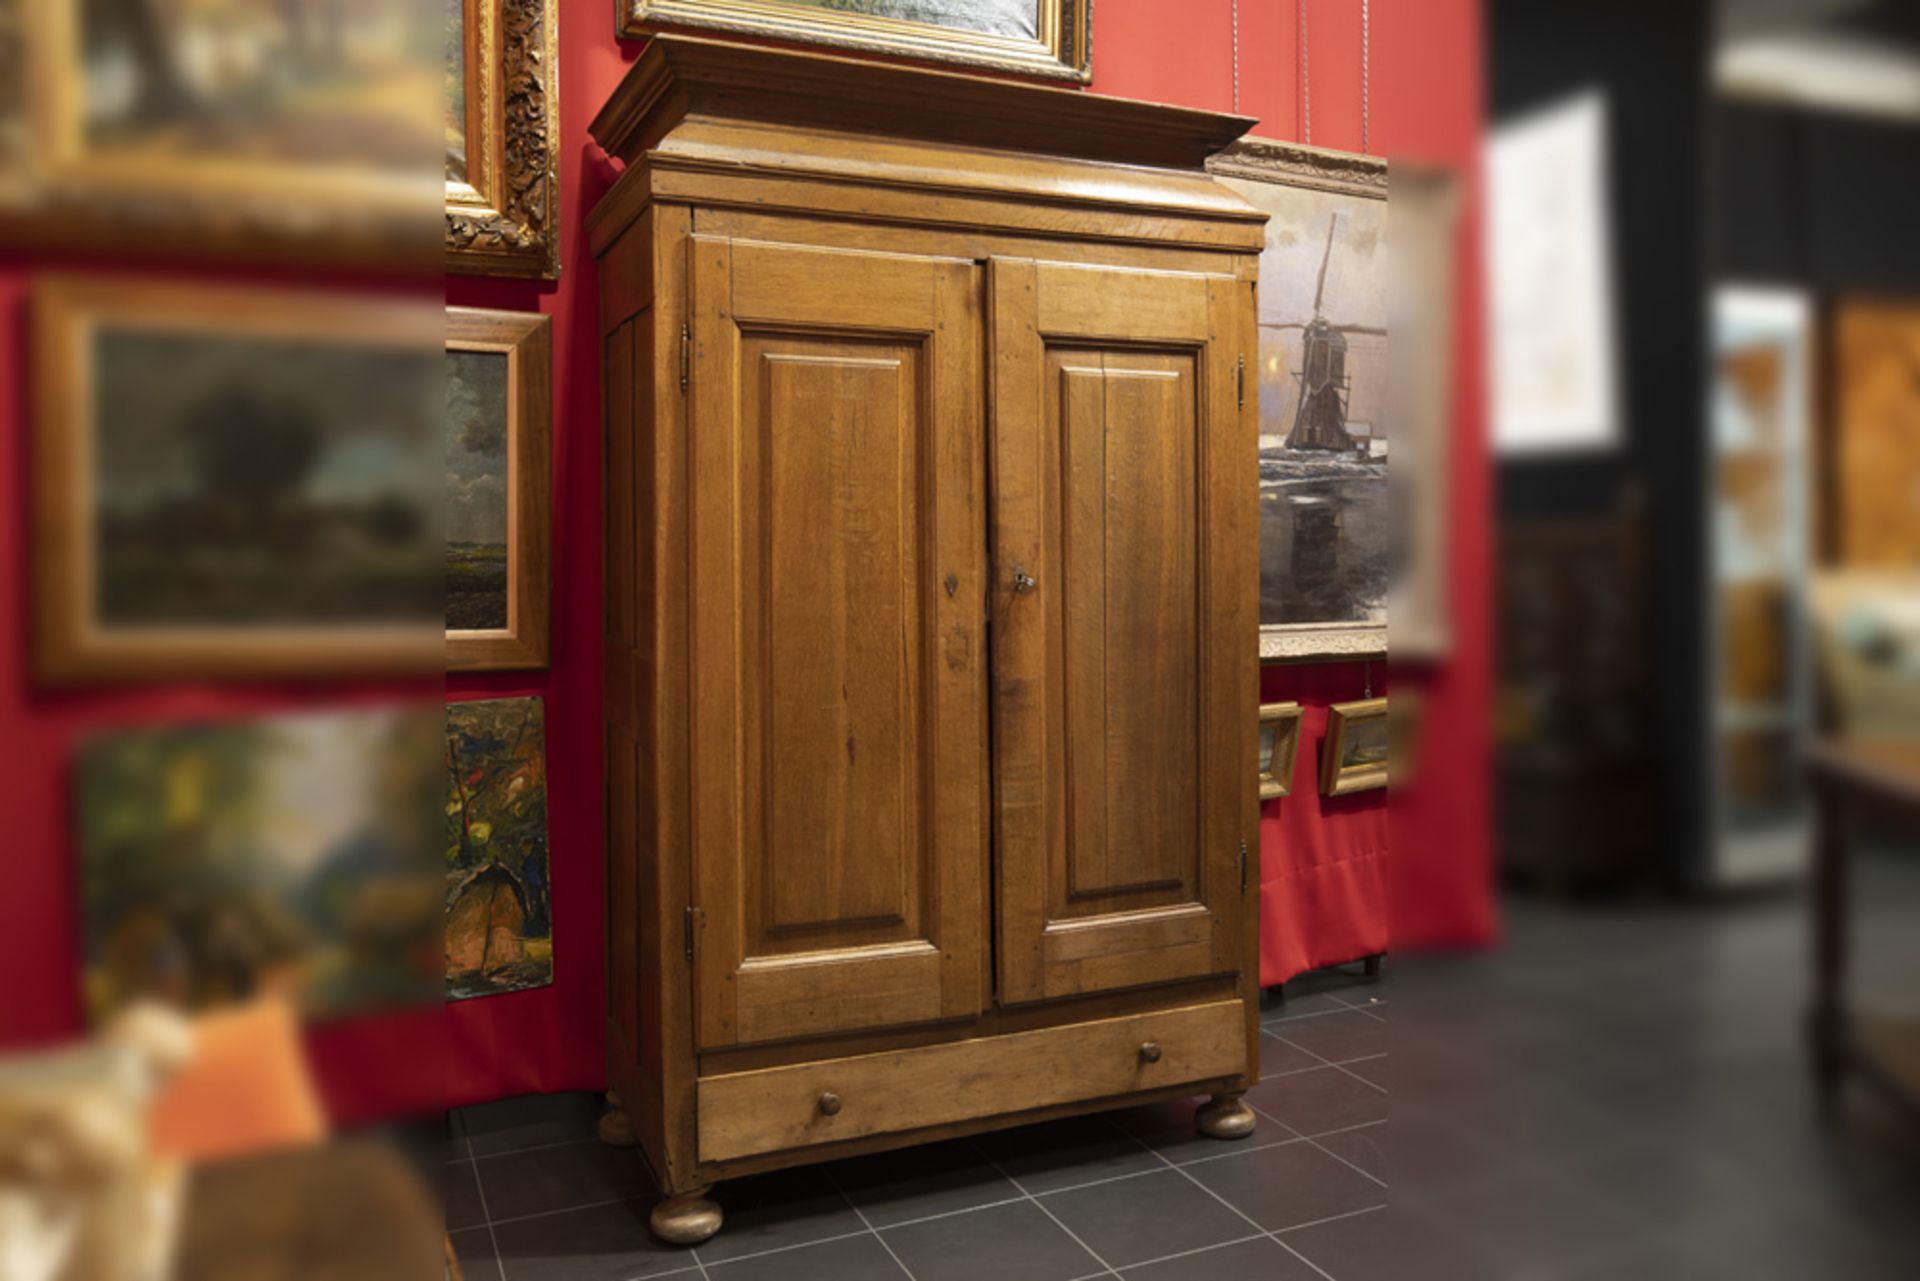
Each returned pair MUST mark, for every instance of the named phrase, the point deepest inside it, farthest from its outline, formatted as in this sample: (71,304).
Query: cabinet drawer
(806,1104)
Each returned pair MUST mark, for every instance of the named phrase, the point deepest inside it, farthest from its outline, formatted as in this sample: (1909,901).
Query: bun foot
(1224,1117)
(613,1099)
(616,1130)
(687,1219)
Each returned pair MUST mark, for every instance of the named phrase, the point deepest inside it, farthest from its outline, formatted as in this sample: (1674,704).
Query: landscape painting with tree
(284,856)
(234,480)
(476,490)
(1325,528)
(499,911)
(498,425)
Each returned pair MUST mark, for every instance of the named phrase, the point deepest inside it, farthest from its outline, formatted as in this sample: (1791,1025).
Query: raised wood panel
(839,840)
(1119,862)
(770,1109)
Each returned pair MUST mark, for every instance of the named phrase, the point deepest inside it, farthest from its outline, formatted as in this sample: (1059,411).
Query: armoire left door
(838,649)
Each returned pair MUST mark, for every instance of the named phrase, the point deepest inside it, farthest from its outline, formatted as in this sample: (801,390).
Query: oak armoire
(931,639)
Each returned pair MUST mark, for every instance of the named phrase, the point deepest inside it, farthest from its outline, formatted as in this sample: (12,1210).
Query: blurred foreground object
(247,1088)
(1853,779)
(293,855)
(82,1196)
(236,481)
(1868,625)
(253,128)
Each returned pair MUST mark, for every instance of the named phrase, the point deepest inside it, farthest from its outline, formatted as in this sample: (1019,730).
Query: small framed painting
(503,138)
(499,425)
(233,482)
(1353,757)
(1279,745)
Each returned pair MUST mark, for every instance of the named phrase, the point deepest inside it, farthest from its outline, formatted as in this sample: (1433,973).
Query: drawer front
(772,1109)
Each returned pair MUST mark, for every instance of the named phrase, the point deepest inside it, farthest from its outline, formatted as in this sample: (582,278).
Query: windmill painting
(1325,533)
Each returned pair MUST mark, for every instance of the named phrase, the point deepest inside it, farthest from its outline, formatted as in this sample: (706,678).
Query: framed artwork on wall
(1279,746)
(499,907)
(1035,37)
(503,138)
(499,513)
(221,129)
(233,482)
(1353,755)
(1325,526)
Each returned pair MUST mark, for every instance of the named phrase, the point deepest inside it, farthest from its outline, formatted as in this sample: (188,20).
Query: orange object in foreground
(247,1088)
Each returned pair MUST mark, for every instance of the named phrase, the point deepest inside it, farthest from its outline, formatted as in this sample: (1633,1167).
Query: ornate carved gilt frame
(1063,50)
(504,221)
(1342,173)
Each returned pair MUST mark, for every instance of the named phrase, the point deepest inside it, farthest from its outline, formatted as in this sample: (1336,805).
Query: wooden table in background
(1851,778)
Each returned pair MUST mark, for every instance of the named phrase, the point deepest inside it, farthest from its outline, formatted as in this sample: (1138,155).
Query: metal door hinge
(1239,380)
(690,913)
(686,344)
(1243,867)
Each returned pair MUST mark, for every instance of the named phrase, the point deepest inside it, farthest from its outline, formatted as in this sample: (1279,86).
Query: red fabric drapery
(1323,859)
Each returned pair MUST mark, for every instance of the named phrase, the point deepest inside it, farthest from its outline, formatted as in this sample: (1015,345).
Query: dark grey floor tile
(1278,1056)
(773,1211)
(1337,1038)
(1064,1154)
(911,1183)
(1388,1245)
(1315,1102)
(1295,1183)
(464,1209)
(1296,1004)
(473,1247)
(541,1180)
(1365,1147)
(1539,1223)
(1150,1217)
(1262,1259)
(860,1258)
(603,1243)
(530,1121)
(1015,1242)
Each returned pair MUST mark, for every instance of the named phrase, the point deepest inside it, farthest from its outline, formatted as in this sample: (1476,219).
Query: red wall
(1425,105)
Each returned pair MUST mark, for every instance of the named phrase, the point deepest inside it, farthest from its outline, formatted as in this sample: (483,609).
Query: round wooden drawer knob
(829,1104)
(1150,1052)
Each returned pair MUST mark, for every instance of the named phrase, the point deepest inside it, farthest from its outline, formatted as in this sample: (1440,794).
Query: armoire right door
(1124,633)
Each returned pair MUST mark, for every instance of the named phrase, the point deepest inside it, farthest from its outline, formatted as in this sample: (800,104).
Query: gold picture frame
(1295,183)
(503,186)
(199,184)
(524,341)
(1279,746)
(1355,751)
(1059,47)
(76,552)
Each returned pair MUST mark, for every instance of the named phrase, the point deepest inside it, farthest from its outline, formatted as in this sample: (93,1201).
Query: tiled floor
(1611,1094)
(533,1196)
